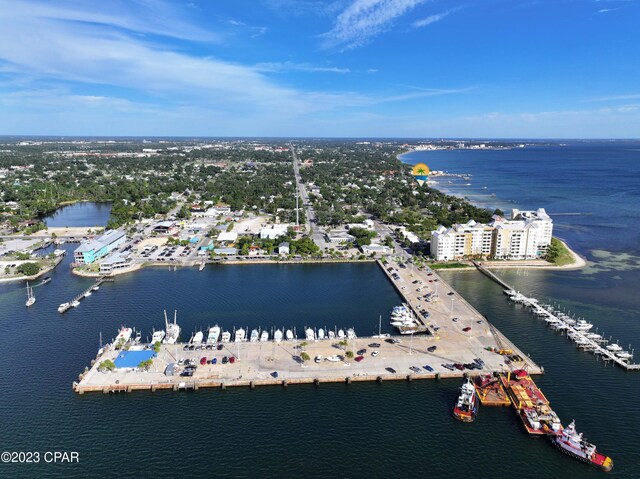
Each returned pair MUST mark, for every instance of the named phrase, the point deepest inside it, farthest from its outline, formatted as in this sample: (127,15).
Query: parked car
(359,358)
(232,359)
(317,359)
(391,370)
(374,353)
(214,361)
(428,368)
(362,351)
(203,360)
(432,348)
(225,360)
(374,345)
(467,329)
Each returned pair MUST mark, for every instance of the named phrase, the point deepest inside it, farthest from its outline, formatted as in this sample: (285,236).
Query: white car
(334,359)
(318,358)
(374,353)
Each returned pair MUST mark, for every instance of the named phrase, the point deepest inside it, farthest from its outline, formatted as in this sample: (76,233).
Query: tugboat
(466,408)
(572,443)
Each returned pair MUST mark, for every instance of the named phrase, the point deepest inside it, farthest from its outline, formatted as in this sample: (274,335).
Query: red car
(232,359)
(203,361)
(467,329)
(359,358)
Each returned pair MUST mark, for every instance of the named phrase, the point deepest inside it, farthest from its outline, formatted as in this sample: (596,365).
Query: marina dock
(64,307)
(458,334)
(575,329)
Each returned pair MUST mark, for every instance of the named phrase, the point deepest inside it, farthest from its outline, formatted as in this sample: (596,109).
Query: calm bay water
(80,214)
(389,430)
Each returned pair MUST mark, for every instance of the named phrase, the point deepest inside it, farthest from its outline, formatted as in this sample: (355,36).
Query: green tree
(28,269)
(349,354)
(145,364)
(305,356)
(106,365)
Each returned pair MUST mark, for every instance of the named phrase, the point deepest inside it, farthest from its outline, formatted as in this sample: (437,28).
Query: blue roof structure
(131,359)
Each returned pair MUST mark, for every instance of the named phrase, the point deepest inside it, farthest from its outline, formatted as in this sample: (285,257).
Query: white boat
(75,303)
(320,333)
(214,334)
(289,335)
(124,335)
(351,334)
(31,299)
(157,337)
(197,338)
(87,294)
(614,348)
(59,252)
(583,325)
(277,336)
(226,337)
(63,307)
(172,330)
(310,335)
(254,336)
(95,288)
(332,335)
(264,336)
(340,334)
(240,335)
(624,355)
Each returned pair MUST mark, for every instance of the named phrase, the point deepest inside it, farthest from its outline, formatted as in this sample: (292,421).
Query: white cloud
(278,67)
(631,96)
(364,19)
(433,18)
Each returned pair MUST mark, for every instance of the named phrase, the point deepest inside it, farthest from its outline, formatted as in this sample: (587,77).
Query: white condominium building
(526,236)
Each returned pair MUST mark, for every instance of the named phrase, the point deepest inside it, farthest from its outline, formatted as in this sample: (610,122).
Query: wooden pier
(63,309)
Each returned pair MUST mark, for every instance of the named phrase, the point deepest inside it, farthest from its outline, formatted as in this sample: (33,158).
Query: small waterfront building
(165,227)
(283,248)
(226,251)
(339,236)
(228,237)
(273,232)
(207,245)
(94,249)
(374,249)
(115,262)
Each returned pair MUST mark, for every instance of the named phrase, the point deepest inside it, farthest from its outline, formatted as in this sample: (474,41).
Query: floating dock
(67,306)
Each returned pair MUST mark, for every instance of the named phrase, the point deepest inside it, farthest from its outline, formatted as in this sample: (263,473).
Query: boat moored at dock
(466,407)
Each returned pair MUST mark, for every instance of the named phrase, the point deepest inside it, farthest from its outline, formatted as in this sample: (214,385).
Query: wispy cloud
(364,19)
(278,67)
(434,18)
(607,10)
(631,96)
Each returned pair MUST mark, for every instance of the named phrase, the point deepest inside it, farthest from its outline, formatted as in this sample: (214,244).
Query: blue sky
(354,68)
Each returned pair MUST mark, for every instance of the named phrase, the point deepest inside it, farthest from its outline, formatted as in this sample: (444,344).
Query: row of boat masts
(577,329)
(216,334)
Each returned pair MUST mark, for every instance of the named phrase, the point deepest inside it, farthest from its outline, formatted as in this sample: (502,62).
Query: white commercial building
(283,248)
(375,249)
(273,232)
(526,236)
(229,236)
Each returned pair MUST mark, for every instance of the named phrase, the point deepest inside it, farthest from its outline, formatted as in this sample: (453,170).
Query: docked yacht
(332,335)
(63,307)
(124,335)
(240,335)
(157,337)
(172,329)
(264,337)
(340,334)
(351,334)
(277,336)
(289,335)
(583,325)
(614,348)
(310,335)
(214,335)
(197,338)
(624,355)
(75,303)
(87,294)
(321,333)
(254,336)
(226,337)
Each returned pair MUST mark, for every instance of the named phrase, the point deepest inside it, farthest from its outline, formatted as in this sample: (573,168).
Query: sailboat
(30,297)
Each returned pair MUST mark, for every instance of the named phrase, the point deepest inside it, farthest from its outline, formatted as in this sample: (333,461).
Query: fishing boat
(226,337)
(172,330)
(254,336)
(466,408)
(264,337)
(46,280)
(63,307)
(573,444)
(214,334)
(31,299)
(277,336)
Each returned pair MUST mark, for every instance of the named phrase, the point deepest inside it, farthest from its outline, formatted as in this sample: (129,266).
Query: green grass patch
(448,265)
(558,253)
